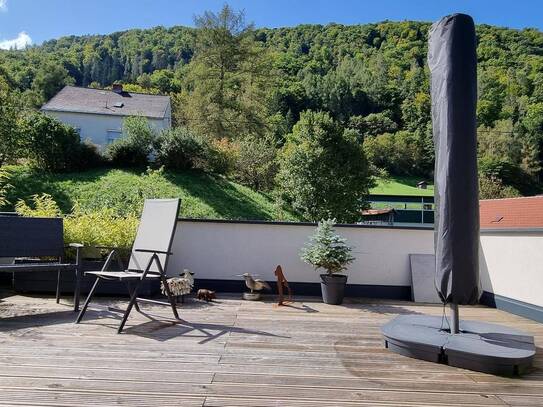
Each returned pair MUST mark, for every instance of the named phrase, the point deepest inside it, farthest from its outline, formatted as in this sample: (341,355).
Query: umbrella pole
(455,326)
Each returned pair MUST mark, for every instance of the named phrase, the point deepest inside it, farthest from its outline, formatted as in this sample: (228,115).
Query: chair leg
(87,301)
(130,291)
(77,288)
(133,299)
(57,295)
(169,295)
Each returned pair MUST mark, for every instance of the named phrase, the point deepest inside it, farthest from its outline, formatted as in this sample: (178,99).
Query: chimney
(117,88)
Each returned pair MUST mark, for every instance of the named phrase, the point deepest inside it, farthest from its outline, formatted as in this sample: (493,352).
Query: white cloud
(3,5)
(22,41)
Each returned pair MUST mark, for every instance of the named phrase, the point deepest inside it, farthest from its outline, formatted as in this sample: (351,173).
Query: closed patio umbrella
(475,345)
(452,58)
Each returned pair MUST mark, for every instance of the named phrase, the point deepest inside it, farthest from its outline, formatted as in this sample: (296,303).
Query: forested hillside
(371,79)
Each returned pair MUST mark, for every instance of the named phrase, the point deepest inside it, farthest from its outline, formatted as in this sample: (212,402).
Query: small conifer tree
(327,250)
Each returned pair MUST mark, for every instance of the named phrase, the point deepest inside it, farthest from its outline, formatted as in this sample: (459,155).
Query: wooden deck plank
(235,353)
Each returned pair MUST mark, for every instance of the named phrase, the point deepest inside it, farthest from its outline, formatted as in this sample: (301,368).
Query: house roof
(100,101)
(373,212)
(512,213)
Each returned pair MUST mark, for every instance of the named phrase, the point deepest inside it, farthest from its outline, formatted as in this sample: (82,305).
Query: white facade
(222,250)
(510,261)
(102,129)
(511,264)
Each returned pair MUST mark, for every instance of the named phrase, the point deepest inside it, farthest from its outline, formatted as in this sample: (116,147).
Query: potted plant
(328,250)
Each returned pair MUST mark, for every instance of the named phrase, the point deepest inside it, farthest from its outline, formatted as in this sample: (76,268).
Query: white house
(98,114)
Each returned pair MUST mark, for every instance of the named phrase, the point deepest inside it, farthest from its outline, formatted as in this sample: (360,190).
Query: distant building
(385,215)
(98,114)
(422,185)
(512,213)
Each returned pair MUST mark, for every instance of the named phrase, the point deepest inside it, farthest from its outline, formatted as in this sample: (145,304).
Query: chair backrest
(31,237)
(155,232)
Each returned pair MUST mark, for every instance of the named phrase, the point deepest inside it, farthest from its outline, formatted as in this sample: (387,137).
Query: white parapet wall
(511,264)
(221,250)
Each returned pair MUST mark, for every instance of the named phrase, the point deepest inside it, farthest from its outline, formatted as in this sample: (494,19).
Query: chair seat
(121,275)
(38,267)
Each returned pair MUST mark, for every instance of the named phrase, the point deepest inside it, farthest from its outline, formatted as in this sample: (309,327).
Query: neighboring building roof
(373,212)
(99,101)
(512,213)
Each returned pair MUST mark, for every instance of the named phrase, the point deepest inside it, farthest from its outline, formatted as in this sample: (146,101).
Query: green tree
(9,132)
(530,161)
(162,80)
(255,164)
(373,124)
(4,186)
(492,188)
(49,144)
(323,171)
(49,79)
(224,89)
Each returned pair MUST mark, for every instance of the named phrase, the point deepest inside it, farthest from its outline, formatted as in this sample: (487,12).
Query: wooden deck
(234,353)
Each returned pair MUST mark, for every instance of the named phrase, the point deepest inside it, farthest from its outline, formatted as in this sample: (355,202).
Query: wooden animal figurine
(189,276)
(282,282)
(206,295)
(255,284)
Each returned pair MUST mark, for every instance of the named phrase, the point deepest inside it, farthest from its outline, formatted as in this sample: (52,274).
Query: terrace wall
(219,250)
(510,260)
(511,264)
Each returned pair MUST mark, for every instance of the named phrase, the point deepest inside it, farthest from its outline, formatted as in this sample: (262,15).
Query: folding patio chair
(149,256)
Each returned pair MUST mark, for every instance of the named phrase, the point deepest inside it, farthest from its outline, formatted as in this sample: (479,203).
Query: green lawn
(401,186)
(202,195)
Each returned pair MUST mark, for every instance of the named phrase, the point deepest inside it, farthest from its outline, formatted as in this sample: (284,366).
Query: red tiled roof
(526,212)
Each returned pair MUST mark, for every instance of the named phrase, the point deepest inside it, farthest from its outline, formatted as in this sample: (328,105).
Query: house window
(113,135)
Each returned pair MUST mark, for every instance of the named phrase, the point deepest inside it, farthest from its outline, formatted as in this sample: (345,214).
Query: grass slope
(406,186)
(202,195)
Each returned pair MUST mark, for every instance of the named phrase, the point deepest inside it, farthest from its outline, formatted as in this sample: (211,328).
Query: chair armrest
(107,247)
(76,245)
(153,251)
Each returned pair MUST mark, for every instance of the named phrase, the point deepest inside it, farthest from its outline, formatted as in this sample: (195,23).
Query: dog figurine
(206,295)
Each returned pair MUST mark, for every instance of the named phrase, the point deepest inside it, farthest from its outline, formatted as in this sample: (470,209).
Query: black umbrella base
(479,346)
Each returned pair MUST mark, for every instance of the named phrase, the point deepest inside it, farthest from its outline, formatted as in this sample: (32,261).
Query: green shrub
(89,156)
(48,144)
(41,206)
(135,147)
(179,149)
(124,154)
(102,227)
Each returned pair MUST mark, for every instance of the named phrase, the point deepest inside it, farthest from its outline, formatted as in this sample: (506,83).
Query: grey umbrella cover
(452,59)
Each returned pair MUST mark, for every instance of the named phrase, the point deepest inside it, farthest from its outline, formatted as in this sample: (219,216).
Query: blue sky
(24,21)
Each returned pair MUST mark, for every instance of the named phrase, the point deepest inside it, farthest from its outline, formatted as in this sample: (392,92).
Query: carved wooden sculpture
(282,282)
(206,295)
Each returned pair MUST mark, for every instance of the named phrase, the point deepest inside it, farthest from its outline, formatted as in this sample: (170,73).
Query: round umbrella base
(479,346)
(251,296)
